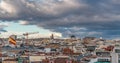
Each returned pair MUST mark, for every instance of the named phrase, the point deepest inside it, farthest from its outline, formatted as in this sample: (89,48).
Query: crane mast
(27,34)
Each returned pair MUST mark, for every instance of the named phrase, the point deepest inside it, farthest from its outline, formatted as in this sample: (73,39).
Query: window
(103,60)
(119,56)
(118,61)
(117,50)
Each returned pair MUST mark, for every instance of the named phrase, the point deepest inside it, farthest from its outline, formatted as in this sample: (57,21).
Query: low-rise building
(10,61)
(115,55)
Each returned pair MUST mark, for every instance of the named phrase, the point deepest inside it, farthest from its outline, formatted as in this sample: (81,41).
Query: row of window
(103,60)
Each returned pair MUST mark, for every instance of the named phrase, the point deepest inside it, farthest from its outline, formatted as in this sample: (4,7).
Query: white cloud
(23,22)
(38,35)
(78,28)
(94,33)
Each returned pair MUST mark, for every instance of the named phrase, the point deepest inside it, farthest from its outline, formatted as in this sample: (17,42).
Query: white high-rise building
(115,55)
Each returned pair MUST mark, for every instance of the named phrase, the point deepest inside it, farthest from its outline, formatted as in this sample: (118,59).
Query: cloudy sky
(98,18)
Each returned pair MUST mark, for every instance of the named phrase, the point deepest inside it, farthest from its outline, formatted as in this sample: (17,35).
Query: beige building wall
(36,58)
(10,62)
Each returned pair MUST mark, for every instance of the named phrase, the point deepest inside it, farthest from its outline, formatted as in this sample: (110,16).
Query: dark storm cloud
(2,26)
(2,30)
(78,17)
(49,9)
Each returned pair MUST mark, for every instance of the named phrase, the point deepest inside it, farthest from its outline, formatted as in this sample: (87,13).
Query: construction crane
(2,43)
(27,34)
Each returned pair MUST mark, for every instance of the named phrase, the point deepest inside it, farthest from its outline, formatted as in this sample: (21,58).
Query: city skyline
(62,17)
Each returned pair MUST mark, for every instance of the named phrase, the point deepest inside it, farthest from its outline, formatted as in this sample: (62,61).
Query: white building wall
(114,58)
